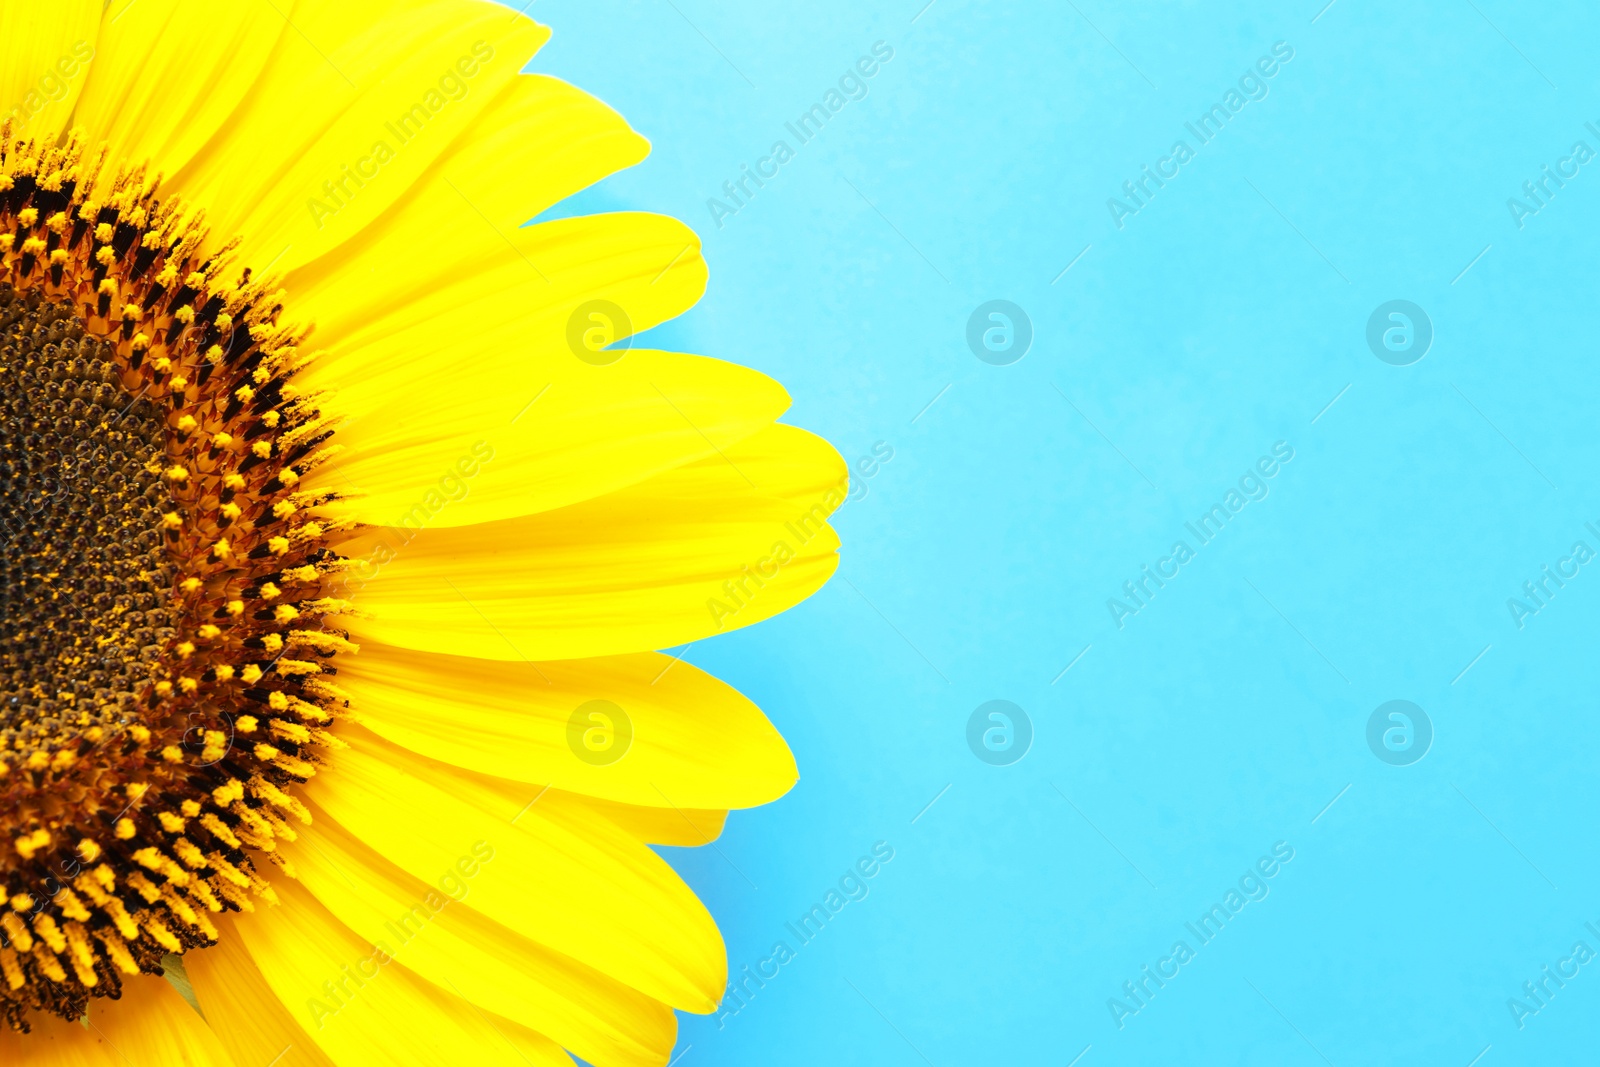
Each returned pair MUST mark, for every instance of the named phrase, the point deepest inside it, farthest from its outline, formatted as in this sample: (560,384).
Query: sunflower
(339,526)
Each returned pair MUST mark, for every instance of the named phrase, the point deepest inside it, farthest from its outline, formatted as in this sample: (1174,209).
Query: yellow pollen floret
(180,557)
(28,844)
(21,937)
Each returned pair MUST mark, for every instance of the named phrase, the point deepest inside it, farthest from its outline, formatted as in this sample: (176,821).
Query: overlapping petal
(150,1026)
(539,523)
(712,545)
(690,740)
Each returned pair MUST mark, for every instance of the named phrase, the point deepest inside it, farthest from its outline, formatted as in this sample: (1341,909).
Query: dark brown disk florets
(166,622)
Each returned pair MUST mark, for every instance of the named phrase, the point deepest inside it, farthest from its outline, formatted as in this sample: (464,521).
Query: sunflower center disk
(165,619)
(84,580)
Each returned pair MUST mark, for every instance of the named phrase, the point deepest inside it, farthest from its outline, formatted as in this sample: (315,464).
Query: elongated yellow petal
(361,1005)
(523,443)
(684,827)
(438,934)
(579,886)
(45,54)
(713,545)
(423,393)
(661,729)
(509,799)
(312,140)
(168,75)
(252,1024)
(537,142)
(151,1024)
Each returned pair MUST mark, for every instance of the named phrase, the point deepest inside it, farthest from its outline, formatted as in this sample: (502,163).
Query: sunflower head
(440,849)
(166,623)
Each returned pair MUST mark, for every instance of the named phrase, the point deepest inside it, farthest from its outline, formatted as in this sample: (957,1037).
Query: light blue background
(1227,714)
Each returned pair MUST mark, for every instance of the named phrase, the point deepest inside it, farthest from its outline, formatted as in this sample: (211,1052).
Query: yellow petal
(684,827)
(665,734)
(256,1027)
(461,352)
(437,934)
(710,546)
(539,141)
(168,75)
(45,53)
(150,1026)
(520,445)
(579,886)
(510,799)
(362,1006)
(340,81)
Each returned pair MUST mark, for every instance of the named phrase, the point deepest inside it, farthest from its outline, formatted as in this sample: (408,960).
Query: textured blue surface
(1230,714)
